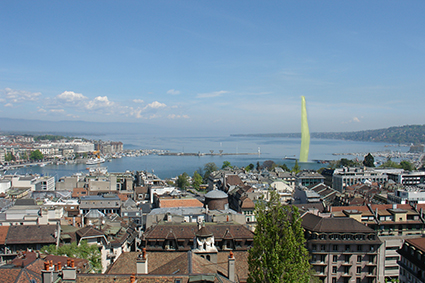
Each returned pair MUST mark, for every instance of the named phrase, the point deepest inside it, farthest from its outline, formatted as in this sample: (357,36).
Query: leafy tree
(183,181)
(406,165)
(209,168)
(24,156)
(296,168)
(36,155)
(196,180)
(83,250)
(249,167)
(390,164)
(369,160)
(9,157)
(269,164)
(226,164)
(278,254)
(258,167)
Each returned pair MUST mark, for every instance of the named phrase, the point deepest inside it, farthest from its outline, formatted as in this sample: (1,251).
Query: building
(342,249)
(392,223)
(347,176)
(407,178)
(412,262)
(308,178)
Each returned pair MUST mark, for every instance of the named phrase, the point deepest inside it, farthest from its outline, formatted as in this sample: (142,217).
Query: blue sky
(215,67)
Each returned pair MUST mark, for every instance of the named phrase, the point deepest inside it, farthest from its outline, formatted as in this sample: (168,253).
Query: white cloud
(8,105)
(42,110)
(57,110)
(18,96)
(355,119)
(70,96)
(154,116)
(155,105)
(138,101)
(211,94)
(173,92)
(99,102)
(174,116)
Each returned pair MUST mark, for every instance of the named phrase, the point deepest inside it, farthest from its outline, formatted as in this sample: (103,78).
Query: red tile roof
(3,234)
(190,202)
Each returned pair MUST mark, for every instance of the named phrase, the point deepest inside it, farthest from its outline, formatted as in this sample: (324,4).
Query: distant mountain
(402,135)
(69,128)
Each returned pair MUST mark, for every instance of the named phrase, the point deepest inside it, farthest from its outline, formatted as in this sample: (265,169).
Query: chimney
(69,273)
(231,267)
(49,274)
(142,263)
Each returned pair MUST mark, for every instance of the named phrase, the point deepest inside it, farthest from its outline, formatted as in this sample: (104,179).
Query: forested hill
(403,135)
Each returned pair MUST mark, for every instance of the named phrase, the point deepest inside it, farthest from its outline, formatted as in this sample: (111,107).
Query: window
(334,269)
(335,258)
(347,248)
(334,280)
(346,269)
(359,248)
(322,247)
(313,247)
(359,258)
(335,247)
(359,269)
(358,280)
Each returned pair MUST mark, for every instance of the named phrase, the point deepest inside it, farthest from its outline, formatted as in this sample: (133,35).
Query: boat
(94,161)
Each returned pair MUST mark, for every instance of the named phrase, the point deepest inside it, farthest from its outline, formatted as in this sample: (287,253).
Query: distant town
(363,220)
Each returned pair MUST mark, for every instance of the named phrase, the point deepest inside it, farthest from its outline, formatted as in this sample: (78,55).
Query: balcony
(347,274)
(346,263)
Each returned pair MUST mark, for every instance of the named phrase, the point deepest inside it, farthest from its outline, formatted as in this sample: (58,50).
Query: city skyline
(219,67)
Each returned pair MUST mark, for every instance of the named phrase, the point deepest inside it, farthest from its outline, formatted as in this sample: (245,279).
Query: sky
(214,67)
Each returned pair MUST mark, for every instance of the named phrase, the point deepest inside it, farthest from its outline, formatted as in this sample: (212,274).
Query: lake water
(275,149)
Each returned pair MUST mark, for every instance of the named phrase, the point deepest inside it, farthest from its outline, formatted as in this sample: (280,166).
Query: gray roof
(216,194)
(94,213)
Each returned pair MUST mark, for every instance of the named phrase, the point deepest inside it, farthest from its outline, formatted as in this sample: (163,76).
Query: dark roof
(3,234)
(89,231)
(28,201)
(189,230)
(338,225)
(204,232)
(418,243)
(31,234)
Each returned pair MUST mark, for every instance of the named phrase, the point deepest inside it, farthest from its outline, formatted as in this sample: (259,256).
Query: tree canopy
(183,181)
(226,164)
(196,180)
(83,250)
(369,160)
(209,168)
(36,155)
(279,253)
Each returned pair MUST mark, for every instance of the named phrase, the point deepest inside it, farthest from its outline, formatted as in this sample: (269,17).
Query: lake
(271,148)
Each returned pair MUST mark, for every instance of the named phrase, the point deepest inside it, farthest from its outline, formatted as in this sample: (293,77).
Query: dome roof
(216,194)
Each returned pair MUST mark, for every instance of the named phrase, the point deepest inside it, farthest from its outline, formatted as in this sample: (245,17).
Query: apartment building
(412,262)
(343,177)
(342,249)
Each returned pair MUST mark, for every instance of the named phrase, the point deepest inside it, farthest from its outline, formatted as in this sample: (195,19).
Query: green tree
(209,168)
(36,155)
(296,167)
(183,181)
(226,164)
(196,180)
(83,250)
(390,164)
(279,253)
(249,167)
(369,160)
(10,157)
(406,165)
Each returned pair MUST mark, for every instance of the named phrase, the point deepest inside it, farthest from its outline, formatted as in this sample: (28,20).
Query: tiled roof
(191,202)
(419,243)
(89,231)
(3,234)
(188,230)
(234,180)
(335,224)
(163,263)
(31,234)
